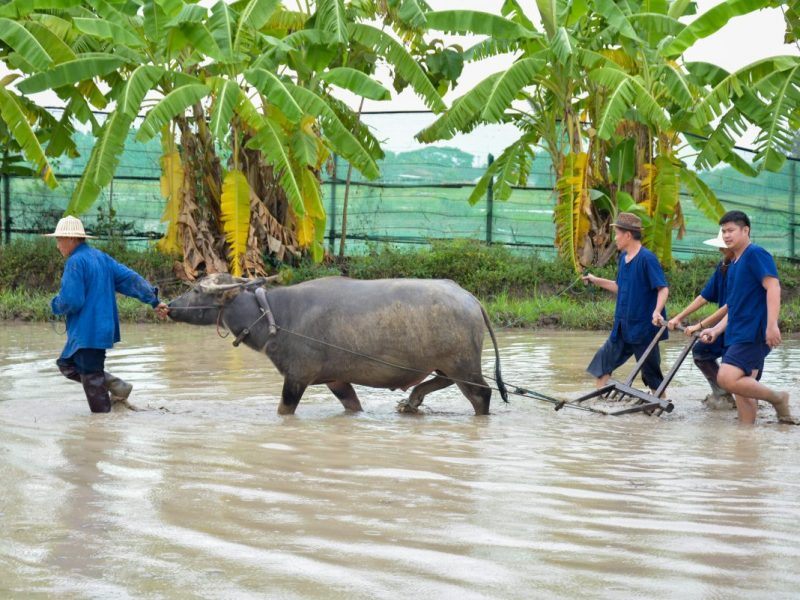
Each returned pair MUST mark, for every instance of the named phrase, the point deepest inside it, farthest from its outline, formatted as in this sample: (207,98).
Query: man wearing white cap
(751,324)
(87,298)
(705,355)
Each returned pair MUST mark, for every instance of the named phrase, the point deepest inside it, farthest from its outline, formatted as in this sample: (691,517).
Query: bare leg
(601,381)
(734,380)
(746,409)
(346,395)
(290,397)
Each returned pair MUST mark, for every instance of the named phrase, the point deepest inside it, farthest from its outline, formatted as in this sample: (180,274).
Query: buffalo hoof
(405,408)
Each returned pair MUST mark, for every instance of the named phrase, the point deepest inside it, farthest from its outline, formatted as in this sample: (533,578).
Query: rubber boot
(117,388)
(70,372)
(94,386)
(710,369)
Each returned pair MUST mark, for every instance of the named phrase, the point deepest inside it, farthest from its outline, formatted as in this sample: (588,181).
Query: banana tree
(602,88)
(24,126)
(241,97)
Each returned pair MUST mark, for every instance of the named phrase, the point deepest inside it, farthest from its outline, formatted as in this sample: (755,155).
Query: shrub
(35,265)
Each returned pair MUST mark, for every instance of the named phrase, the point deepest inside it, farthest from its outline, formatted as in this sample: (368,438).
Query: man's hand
(588,278)
(673,323)
(773,336)
(658,318)
(709,335)
(692,329)
(162,310)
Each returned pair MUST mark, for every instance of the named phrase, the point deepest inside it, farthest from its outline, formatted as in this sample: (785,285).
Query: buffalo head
(201,304)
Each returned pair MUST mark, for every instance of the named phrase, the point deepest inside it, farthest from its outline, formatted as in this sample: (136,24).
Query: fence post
(490,204)
(6,202)
(792,194)
(332,207)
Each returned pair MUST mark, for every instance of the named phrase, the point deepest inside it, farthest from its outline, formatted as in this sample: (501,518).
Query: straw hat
(628,222)
(717,241)
(69,227)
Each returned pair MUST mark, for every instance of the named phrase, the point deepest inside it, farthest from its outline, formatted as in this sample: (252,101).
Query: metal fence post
(490,204)
(792,194)
(6,202)
(332,208)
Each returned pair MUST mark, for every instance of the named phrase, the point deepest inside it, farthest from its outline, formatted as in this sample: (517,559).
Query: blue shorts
(613,355)
(85,360)
(748,357)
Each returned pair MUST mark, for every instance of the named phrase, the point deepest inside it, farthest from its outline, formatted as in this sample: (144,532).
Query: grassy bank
(518,290)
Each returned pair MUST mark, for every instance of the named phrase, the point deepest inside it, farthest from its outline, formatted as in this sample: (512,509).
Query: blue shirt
(747,298)
(87,297)
(716,287)
(716,291)
(637,282)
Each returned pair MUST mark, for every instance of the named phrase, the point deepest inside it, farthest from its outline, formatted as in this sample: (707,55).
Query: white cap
(69,227)
(717,242)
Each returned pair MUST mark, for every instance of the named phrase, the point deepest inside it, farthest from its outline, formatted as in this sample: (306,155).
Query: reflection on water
(211,494)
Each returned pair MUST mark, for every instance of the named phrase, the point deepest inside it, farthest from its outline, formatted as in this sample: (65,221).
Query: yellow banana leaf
(622,58)
(305,231)
(572,209)
(312,201)
(235,208)
(648,200)
(172,190)
(661,201)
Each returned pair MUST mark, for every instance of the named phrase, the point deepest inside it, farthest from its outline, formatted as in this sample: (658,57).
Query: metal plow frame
(650,404)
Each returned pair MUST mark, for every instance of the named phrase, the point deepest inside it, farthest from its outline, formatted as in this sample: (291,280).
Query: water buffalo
(388,333)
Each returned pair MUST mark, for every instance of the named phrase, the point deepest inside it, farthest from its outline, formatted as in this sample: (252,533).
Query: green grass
(18,305)
(518,290)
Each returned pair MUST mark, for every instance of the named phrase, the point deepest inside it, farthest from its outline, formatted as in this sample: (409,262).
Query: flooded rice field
(210,494)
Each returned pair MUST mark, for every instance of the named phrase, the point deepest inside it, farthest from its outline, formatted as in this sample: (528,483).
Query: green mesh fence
(421,196)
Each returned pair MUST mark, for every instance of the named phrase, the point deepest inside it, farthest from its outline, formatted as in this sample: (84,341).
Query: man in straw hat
(751,324)
(87,298)
(705,355)
(641,291)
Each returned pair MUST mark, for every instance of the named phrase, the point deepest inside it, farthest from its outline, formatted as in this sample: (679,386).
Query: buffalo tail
(501,387)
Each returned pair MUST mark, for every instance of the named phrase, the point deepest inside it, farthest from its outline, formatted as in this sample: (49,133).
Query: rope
(571,285)
(518,390)
(384,362)
(54,321)
(559,404)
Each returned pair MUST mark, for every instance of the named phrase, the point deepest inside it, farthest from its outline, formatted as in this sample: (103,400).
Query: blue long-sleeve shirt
(87,298)
(638,282)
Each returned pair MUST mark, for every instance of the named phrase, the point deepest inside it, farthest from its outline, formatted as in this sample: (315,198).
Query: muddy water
(210,494)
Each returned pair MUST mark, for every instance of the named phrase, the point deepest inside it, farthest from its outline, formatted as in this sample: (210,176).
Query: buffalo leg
(290,397)
(346,395)
(426,387)
(478,393)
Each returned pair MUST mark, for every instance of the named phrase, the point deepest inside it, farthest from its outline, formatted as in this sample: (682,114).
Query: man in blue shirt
(705,355)
(641,290)
(751,325)
(87,298)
